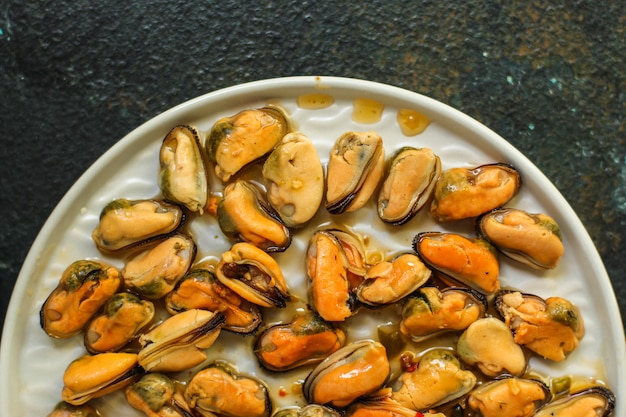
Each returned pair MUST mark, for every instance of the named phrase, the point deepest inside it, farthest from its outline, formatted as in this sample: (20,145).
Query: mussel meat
(157,395)
(182,173)
(470,261)
(488,344)
(551,328)
(408,185)
(244,215)
(438,379)
(596,401)
(122,319)
(200,288)
(125,223)
(154,272)
(254,275)
(533,239)
(389,281)
(355,167)
(84,287)
(178,343)
(462,193)
(295,179)
(95,376)
(63,409)
(357,369)
(509,397)
(219,389)
(236,141)
(429,311)
(306,340)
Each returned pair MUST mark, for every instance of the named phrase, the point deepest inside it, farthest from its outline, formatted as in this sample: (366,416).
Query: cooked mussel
(200,288)
(63,409)
(295,178)
(382,405)
(95,376)
(488,344)
(244,215)
(551,328)
(533,239)
(357,369)
(387,282)
(429,311)
(154,272)
(254,275)
(596,401)
(307,339)
(123,317)
(125,223)
(219,389)
(157,395)
(84,287)
(309,410)
(470,261)
(409,182)
(329,267)
(355,167)
(438,379)
(236,141)
(182,172)
(178,343)
(462,193)
(509,397)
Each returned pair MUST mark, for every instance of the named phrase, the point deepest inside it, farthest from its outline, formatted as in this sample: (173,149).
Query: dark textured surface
(75,77)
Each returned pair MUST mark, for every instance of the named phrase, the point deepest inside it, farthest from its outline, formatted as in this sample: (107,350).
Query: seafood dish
(261,260)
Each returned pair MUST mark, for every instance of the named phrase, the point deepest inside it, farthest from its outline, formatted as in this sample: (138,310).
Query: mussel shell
(532,239)
(236,141)
(408,185)
(219,389)
(178,343)
(462,193)
(470,261)
(200,288)
(357,369)
(438,379)
(254,275)
(355,168)
(95,376)
(244,215)
(156,270)
(295,178)
(182,173)
(84,287)
(429,312)
(550,327)
(306,340)
(123,317)
(510,396)
(597,401)
(127,223)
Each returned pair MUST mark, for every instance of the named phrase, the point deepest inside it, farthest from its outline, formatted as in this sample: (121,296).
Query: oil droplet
(315,101)
(412,122)
(367,110)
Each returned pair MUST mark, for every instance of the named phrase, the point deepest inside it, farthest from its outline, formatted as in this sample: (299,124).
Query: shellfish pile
(457,344)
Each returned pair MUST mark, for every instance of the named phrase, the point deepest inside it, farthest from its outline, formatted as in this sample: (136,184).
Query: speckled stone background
(76,76)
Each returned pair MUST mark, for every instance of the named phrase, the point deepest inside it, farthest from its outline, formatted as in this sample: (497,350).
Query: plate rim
(32,259)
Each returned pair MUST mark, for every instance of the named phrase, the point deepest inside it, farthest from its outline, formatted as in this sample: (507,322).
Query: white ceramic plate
(32,364)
